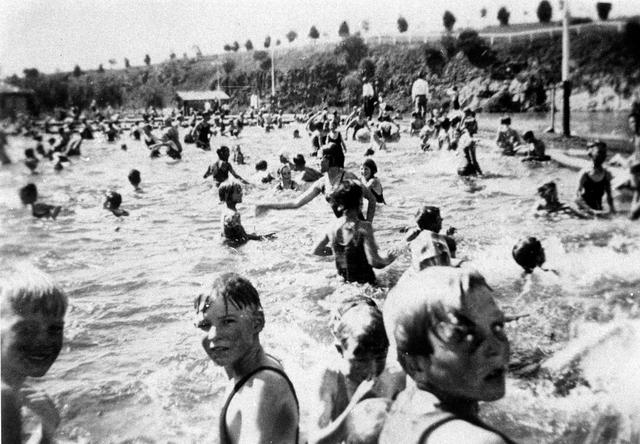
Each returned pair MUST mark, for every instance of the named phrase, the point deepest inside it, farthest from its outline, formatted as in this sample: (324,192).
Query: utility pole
(566,83)
(273,70)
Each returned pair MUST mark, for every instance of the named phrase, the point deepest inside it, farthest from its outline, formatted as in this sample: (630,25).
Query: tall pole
(273,71)
(566,83)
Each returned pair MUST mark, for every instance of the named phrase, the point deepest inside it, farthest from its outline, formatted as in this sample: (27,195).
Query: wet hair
(369,163)
(331,151)
(601,153)
(29,153)
(370,325)
(347,196)
(134,177)
(543,189)
(227,188)
(28,194)
(113,200)
(51,140)
(40,150)
(528,136)
(298,160)
(234,289)
(222,148)
(528,253)
(505,120)
(296,133)
(30,291)
(261,165)
(427,216)
(416,305)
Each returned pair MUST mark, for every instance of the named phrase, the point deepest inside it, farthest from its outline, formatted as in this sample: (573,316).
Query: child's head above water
(134,178)
(28,194)
(369,169)
(528,253)
(223,152)
(230,191)
(428,218)
(347,196)
(360,337)
(548,191)
(528,137)
(113,200)
(261,165)
(32,309)
(597,150)
(448,333)
(506,120)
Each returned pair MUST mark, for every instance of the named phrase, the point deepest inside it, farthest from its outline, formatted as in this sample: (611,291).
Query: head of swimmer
(597,150)
(230,314)
(449,334)
(549,192)
(428,218)
(223,153)
(360,339)
(230,192)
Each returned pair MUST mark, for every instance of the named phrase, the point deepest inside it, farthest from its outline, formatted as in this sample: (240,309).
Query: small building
(14,100)
(198,100)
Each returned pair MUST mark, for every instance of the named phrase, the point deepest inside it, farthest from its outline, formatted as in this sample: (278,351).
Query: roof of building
(202,95)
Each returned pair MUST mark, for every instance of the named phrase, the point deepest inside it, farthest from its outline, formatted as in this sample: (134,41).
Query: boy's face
(30,343)
(224,154)
(362,362)
(470,357)
(230,332)
(365,172)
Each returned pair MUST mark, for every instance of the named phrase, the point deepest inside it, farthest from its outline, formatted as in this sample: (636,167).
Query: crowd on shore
(412,371)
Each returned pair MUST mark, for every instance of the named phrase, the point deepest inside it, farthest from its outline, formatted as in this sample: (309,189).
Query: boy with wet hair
(507,139)
(221,168)
(428,246)
(29,196)
(449,336)
(529,254)
(230,193)
(135,179)
(112,202)
(261,404)
(32,310)
(357,384)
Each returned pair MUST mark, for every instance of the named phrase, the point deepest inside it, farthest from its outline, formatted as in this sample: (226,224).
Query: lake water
(132,368)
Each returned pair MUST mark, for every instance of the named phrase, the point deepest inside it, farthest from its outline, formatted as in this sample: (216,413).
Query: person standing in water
(595,182)
(261,404)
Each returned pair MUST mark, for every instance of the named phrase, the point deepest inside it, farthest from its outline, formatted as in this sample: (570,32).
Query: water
(132,368)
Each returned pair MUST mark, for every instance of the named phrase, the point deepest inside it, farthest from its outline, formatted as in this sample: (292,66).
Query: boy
(595,182)
(428,247)
(550,205)
(29,196)
(32,309)
(529,254)
(261,404)
(135,179)
(449,336)
(112,202)
(537,148)
(221,168)
(507,139)
(230,192)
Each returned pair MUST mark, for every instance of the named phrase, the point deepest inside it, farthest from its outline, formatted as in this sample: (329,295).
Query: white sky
(58,34)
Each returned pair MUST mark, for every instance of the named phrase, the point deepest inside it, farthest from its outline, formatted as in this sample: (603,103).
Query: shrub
(475,48)
(503,16)
(352,49)
(402,24)
(603,9)
(343,31)
(448,20)
(434,59)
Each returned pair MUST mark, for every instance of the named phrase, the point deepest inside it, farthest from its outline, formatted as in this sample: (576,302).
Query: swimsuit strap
(444,418)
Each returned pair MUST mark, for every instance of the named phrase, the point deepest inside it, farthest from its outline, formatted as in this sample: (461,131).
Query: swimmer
(238,156)
(261,404)
(529,254)
(634,212)
(368,172)
(230,192)
(307,174)
(29,196)
(286,183)
(357,373)
(221,169)
(416,124)
(30,160)
(296,134)
(449,336)
(426,133)
(507,139)
(32,309)
(536,148)
(550,204)
(134,179)
(351,239)
(468,164)
(112,203)
(262,175)
(202,133)
(334,136)
(123,147)
(595,182)
(428,247)
(171,139)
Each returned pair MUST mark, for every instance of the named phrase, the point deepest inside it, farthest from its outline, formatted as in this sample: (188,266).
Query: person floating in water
(32,309)
(595,182)
(507,139)
(529,254)
(449,338)
(357,386)
(230,193)
(351,239)
(368,172)
(221,168)
(135,179)
(261,405)
(29,196)
(428,247)
(550,205)
(112,202)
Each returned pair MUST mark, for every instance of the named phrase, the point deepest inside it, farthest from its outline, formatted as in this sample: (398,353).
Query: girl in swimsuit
(596,182)
(335,137)
(221,169)
(351,238)
(231,227)
(368,172)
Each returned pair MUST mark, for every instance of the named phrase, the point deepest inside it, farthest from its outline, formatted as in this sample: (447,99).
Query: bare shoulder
(463,431)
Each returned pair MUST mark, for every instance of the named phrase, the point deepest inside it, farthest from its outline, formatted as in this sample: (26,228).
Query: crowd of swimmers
(411,371)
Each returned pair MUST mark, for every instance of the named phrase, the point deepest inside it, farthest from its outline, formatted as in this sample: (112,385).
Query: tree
(402,24)
(267,41)
(100,68)
(260,55)
(475,48)
(352,49)
(367,68)
(343,30)
(544,11)
(77,72)
(503,16)
(236,46)
(127,64)
(291,36)
(603,9)
(172,56)
(448,19)
(248,45)
(147,60)
(228,65)
(364,25)
(313,33)
(434,59)
(483,12)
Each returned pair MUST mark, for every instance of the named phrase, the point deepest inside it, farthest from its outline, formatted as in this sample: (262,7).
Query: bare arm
(322,248)
(236,175)
(11,421)
(371,249)
(607,190)
(302,200)
(371,202)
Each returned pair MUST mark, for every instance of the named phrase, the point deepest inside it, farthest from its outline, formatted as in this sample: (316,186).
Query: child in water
(351,238)
(368,172)
(595,182)
(634,213)
(262,175)
(529,254)
(286,183)
(550,205)
(29,196)
(135,179)
(221,168)
(357,375)
(428,246)
(30,160)
(32,310)
(507,138)
(536,148)
(112,203)
(230,192)
(467,150)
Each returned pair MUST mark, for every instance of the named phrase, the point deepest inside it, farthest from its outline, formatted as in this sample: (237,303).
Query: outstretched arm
(322,248)
(304,199)
(371,249)
(236,175)
(607,190)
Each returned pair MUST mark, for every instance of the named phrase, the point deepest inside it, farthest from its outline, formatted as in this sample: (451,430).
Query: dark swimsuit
(219,171)
(224,433)
(351,261)
(379,197)
(593,191)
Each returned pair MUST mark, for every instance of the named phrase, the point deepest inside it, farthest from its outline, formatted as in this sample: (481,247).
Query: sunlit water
(132,368)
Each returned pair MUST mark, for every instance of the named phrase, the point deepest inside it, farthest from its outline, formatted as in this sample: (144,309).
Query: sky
(56,35)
